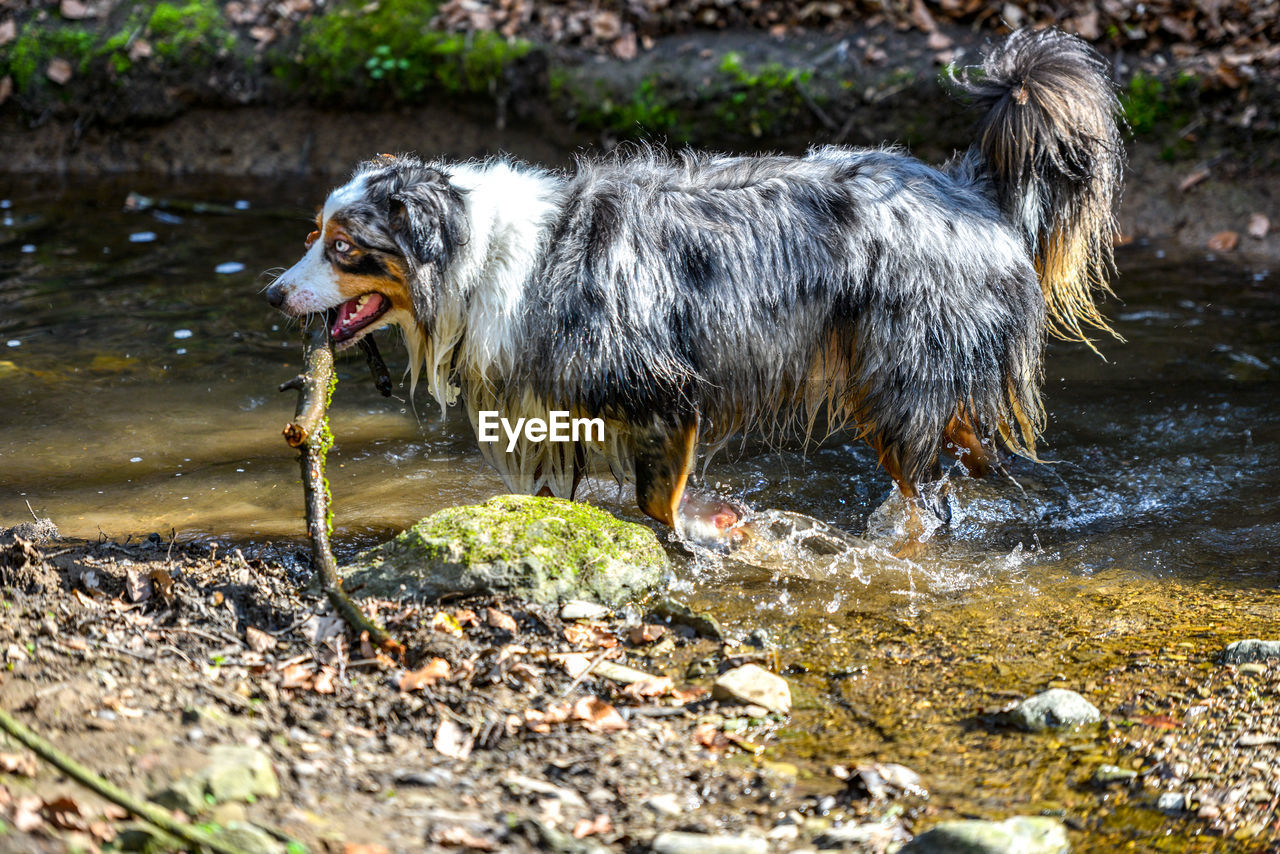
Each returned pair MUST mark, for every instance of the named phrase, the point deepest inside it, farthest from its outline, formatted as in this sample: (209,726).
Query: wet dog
(685,298)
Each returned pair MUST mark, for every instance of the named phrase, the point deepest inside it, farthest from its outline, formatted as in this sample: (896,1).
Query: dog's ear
(427,221)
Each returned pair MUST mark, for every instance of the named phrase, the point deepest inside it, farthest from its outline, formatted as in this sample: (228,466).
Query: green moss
(37,44)
(760,100)
(1151,104)
(389,50)
(195,32)
(649,111)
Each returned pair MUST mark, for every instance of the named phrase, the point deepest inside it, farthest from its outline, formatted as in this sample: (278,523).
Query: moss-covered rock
(544,549)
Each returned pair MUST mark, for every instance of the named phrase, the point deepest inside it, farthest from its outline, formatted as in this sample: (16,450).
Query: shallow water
(138,395)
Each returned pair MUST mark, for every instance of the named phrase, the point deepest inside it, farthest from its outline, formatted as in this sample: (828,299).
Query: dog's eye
(342,247)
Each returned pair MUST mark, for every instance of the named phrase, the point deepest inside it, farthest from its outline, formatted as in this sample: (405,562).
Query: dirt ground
(139,658)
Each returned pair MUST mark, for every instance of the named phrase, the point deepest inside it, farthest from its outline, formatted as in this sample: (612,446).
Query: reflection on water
(138,380)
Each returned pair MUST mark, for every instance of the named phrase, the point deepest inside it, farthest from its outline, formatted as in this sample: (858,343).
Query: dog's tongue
(355,313)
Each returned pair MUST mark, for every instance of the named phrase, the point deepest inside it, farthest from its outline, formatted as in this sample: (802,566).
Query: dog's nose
(275,295)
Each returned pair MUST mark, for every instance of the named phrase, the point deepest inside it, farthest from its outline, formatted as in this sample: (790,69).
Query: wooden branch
(377,367)
(150,813)
(309,433)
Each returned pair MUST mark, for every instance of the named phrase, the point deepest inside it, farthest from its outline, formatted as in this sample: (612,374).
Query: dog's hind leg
(915,531)
(664,457)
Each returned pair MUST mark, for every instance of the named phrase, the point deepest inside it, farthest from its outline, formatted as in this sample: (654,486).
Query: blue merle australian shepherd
(685,298)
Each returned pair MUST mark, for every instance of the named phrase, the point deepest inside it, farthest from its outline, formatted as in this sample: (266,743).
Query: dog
(685,298)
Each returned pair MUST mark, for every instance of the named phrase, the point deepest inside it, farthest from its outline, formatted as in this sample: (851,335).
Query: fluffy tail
(1050,143)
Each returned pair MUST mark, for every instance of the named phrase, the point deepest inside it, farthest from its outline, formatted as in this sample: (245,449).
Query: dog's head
(379,248)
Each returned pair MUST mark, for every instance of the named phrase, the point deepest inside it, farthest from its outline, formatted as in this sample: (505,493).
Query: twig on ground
(309,433)
(149,813)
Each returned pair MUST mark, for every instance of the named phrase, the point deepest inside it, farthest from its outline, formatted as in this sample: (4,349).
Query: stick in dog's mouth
(355,316)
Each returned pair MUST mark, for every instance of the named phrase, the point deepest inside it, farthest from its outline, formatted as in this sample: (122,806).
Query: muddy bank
(332,90)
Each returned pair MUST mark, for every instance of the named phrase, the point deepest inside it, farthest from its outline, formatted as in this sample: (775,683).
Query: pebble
(675,842)
(1253,668)
(1252,649)
(1172,802)
(1057,708)
(1024,834)
(577,609)
(751,684)
(229,267)
(142,237)
(666,804)
(1113,774)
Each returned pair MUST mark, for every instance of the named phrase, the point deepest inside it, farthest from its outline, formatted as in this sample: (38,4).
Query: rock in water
(1056,708)
(1024,834)
(543,549)
(676,842)
(1253,649)
(751,684)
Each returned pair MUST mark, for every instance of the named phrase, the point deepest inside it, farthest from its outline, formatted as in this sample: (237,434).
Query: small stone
(251,839)
(665,805)
(1171,802)
(1024,834)
(1107,774)
(1057,708)
(59,71)
(1253,668)
(674,842)
(1253,649)
(751,684)
(232,773)
(576,609)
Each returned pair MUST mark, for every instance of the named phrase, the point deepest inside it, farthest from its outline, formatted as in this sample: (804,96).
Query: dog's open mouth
(357,315)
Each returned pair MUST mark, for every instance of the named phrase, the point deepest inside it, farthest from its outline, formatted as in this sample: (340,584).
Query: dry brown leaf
(466,617)
(161,583)
(426,676)
(1224,241)
(710,737)
(26,813)
(459,837)
(591,827)
(590,635)
(639,635)
(645,688)
(23,764)
(73,10)
(1259,225)
(598,716)
(258,640)
(59,71)
(498,620)
(297,675)
(323,682)
(688,694)
(452,740)
(137,586)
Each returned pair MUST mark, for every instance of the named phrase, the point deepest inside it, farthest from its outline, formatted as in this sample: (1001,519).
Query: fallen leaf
(1194,178)
(598,716)
(574,663)
(258,640)
(624,47)
(296,676)
(645,634)
(428,675)
(73,10)
(323,682)
(59,71)
(1259,225)
(688,695)
(23,764)
(263,35)
(1224,241)
(591,827)
(655,687)
(466,617)
(939,41)
(161,583)
(459,837)
(445,623)
(710,737)
(26,814)
(137,586)
(590,635)
(498,620)
(452,740)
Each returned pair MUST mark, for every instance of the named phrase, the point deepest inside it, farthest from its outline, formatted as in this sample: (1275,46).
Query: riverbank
(223,90)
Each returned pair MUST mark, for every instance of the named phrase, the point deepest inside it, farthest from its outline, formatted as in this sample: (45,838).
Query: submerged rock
(751,684)
(1024,834)
(543,549)
(1251,650)
(1056,708)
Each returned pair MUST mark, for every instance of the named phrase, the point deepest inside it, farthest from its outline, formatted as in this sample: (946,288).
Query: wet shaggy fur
(687,297)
